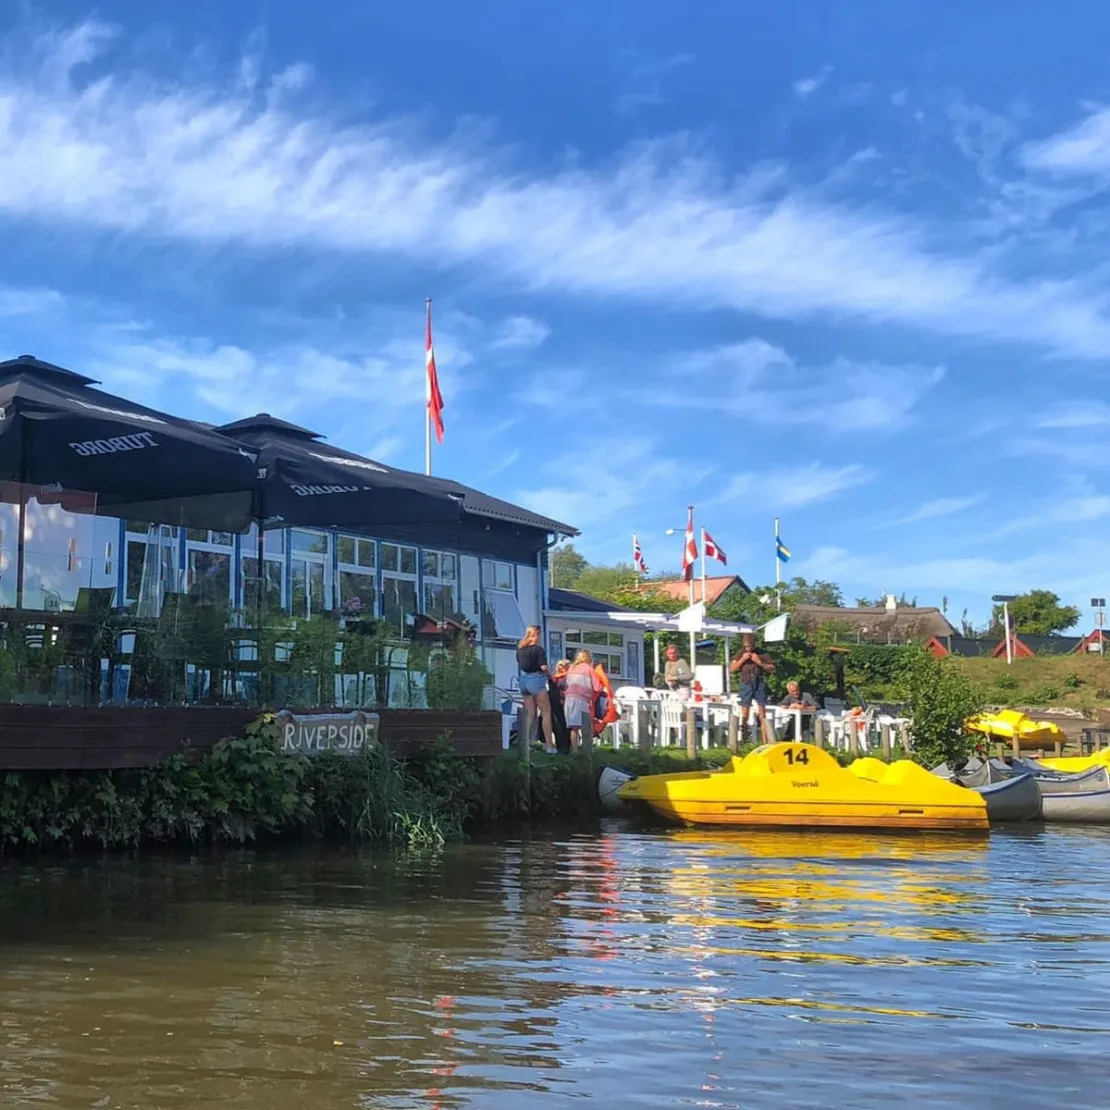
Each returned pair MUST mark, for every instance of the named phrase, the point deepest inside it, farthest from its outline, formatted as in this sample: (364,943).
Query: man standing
(753,669)
(676,671)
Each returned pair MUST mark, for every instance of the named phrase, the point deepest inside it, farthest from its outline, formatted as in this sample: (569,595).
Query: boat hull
(1079,797)
(608,785)
(1012,800)
(801,786)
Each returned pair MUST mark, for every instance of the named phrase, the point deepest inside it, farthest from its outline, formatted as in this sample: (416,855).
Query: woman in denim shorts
(532,661)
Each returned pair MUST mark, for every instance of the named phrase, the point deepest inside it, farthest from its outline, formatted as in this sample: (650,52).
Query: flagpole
(778,573)
(703,564)
(693,634)
(427,403)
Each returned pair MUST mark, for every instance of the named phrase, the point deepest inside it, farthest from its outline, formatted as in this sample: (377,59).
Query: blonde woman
(532,661)
(582,688)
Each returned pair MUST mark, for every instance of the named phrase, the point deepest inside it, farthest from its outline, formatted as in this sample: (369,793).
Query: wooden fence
(83,738)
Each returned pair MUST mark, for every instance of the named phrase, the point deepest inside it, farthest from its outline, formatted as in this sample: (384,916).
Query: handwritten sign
(310,733)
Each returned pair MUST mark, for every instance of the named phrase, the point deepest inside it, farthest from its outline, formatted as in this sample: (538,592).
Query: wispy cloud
(1081,149)
(1075,414)
(940,507)
(806,86)
(642,84)
(212,164)
(763,382)
(519,333)
(795,487)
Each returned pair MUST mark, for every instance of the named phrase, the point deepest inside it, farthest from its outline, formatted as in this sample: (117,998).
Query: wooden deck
(80,738)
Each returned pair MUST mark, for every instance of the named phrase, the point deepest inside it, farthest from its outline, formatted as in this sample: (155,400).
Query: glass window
(469,593)
(431,564)
(501,616)
(222,539)
(203,535)
(271,587)
(554,646)
(616,639)
(398,603)
(308,587)
(355,551)
(574,636)
(635,673)
(390,556)
(136,556)
(347,549)
(312,543)
(408,560)
(447,567)
(357,593)
(497,576)
(209,576)
(439,601)
(593,637)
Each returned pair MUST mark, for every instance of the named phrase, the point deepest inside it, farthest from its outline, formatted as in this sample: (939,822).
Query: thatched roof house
(877,623)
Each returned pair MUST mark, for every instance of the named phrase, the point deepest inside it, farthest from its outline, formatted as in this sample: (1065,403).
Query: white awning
(646,622)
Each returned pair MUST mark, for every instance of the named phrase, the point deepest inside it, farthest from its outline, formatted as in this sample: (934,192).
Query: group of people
(564,698)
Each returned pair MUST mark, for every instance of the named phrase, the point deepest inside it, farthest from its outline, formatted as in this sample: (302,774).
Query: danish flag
(690,551)
(434,397)
(712,551)
(638,555)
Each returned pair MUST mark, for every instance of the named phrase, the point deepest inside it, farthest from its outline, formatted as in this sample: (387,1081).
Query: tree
(879,602)
(940,700)
(567,566)
(1036,613)
(818,592)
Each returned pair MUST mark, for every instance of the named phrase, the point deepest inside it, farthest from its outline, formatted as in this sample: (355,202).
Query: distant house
(576,620)
(876,623)
(716,588)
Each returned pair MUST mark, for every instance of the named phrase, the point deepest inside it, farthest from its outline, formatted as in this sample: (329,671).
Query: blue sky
(843,264)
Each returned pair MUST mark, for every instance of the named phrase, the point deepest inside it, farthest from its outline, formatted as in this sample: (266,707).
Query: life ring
(612,712)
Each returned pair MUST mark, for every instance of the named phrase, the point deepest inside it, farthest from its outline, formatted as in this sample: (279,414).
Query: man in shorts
(753,669)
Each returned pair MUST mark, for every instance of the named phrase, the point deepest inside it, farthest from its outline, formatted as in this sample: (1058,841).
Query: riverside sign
(312,733)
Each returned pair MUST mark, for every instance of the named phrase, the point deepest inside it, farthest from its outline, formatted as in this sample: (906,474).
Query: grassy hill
(1074,681)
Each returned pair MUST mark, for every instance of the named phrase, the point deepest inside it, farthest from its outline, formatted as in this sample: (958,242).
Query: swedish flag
(782,551)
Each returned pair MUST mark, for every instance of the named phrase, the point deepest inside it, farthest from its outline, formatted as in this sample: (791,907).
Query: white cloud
(1075,414)
(940,507)
(519,333)
(1081,149)
(759,381)
(209,163)
(29,302)
(805,86)
(795,487)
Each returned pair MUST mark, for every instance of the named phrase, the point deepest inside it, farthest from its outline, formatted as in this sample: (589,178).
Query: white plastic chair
(672,718)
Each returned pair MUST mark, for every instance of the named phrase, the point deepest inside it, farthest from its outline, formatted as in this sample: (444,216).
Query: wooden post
(819,731)
(766,732)
(524,754)
(1015,746)
(853,737)
(643,727)
(905,737)
(691,733)
(1059,747)
(587,735)
(884,740)
(733,731)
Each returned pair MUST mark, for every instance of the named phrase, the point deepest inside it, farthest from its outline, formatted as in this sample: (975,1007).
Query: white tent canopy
(648,622)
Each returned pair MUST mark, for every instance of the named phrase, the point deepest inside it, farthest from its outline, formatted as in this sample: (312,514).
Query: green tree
(1037,613)
(869,603)
(940,700)
(605,582)
(567,566)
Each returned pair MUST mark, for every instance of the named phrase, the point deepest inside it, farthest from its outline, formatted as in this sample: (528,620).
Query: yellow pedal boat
(1073,763)
(1008,723)
(799,785)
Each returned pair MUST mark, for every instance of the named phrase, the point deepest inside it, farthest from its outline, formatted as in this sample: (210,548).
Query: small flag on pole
(690,551)
(782,551)
(434,397)
(638,555)
(712,551)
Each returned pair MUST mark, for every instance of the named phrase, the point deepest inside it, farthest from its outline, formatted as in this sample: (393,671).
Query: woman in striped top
(582,688)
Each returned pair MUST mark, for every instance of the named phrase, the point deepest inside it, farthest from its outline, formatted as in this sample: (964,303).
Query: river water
(612,969)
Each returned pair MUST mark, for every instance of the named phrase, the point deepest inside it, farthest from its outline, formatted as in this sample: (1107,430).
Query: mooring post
(691,732)
(884,740)
(1015,745)
(818,731)
(1059,748)
(733,731)
(643,727)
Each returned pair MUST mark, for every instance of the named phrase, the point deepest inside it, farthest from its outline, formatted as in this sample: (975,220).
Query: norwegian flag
(690,551)
(712,551)
(434,400)
(638,555)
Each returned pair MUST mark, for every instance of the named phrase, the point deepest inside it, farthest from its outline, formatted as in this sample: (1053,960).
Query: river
(617,968)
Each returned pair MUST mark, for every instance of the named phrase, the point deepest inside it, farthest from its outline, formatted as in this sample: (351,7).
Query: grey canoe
(1080,797)
(1009,797)
(608,784)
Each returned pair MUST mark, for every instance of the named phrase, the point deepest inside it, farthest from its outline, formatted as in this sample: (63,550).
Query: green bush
(1006,682)
(940,700)
(1044,693)
(1072,681)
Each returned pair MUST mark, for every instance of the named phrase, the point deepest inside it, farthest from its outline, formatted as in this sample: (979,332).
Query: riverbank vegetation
(245,790)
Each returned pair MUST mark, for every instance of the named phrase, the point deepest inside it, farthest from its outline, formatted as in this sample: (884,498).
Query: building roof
(573,601)
(482,504)
(679,590)
(876,622)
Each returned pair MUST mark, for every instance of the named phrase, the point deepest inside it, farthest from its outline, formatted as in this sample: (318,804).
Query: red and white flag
(434,399)
(690,551)
(638,555)
(712,551)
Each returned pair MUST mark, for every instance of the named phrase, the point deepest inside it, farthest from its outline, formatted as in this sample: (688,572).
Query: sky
(840,264)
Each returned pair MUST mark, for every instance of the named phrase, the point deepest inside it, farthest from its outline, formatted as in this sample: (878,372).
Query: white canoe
(1081,797)
(608,784)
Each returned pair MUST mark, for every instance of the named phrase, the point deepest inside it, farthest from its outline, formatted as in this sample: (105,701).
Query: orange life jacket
(612,713)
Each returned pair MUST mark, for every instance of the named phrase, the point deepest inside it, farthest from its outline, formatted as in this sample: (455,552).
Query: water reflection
(683,968)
